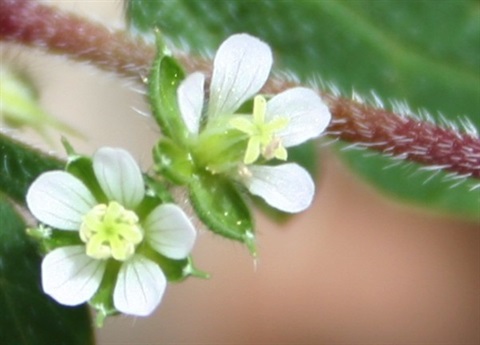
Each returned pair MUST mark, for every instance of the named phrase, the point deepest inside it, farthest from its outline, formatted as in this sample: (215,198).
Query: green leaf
(164,79)
(219,205)
(20,165)
(462,200)
(140,15)
(425,52)
(28,315)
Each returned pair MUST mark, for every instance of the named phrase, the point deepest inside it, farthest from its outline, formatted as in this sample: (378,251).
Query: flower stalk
(39,26)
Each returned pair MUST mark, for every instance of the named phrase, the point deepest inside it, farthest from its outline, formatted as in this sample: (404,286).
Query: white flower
(110,231)
(241,67)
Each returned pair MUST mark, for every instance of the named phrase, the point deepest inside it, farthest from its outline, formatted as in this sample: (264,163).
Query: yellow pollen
(262,139)
(111,231)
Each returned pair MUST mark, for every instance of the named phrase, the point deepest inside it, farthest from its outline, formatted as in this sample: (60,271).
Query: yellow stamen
(262,139)
(111,231)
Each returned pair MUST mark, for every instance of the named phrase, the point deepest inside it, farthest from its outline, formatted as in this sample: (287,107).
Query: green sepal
(165,76)
(158,189)
(50,239)
(173,162)
(190,270)
(82,168)
(178,270)
(174,270)
(219,204)
(156,193)
(219,148)
(152,199)
(102,301)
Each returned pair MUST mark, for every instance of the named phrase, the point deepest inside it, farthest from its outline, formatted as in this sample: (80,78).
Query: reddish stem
(407,137)
(33,24)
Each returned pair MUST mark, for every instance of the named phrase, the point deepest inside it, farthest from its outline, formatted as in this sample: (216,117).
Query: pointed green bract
(175,270)
(28,315)
(164,79)
(102,301)
(219,204)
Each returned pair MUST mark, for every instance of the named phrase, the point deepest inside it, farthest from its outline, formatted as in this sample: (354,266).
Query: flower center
(110,231)
(262,139)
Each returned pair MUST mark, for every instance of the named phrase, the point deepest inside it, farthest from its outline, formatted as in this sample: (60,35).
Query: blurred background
(356,268)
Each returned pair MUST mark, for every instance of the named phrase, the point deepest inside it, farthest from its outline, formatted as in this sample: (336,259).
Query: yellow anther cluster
(262,135)
(111,231)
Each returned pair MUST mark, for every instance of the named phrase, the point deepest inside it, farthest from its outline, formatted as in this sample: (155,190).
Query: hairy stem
(30,23)
(33,24)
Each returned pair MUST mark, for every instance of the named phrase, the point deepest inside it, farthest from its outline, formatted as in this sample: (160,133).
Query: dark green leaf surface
(28,316)
(425,52)
(20,165)
(460,200)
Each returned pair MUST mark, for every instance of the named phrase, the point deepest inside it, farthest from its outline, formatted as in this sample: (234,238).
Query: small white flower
(241,67)
(110,231)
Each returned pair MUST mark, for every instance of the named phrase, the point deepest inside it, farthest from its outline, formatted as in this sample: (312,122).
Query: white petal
(140,287)
(70,276)
(119,176)
(308,115)
(190,95)
(287,187)
(59,199)
(169,231)
(241,67)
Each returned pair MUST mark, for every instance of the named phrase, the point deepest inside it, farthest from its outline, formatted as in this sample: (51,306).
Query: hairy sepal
(165,77)
(221,207)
